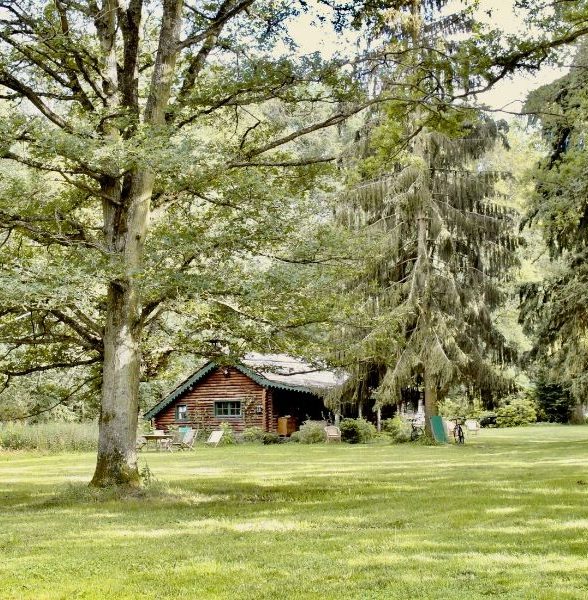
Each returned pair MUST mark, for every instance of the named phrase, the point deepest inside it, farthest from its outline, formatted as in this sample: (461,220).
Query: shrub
(49,437)
(295,437)
(516,411)
(454,407)
(554,403)
(228,438)
(357,431)
(398,429)
(459,407)
(488,419)
(271,438)
(312,432)
(253,435)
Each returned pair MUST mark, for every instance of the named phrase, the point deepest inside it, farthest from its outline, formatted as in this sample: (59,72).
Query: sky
(508,95)
(511,93)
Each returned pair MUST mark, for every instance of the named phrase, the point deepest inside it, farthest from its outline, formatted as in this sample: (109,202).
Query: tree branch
(57,365)
(15,85)
(227,10)
(332,120)
(91,340)
(303,162)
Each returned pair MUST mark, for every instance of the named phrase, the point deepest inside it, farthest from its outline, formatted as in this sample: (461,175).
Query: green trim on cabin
(187,385)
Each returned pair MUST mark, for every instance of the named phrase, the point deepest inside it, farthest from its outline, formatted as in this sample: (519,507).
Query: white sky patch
(510,94)
(311,35)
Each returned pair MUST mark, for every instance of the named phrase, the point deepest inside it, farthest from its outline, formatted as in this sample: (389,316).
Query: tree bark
(126,220)
(429,382)
(117,460)
(126,230)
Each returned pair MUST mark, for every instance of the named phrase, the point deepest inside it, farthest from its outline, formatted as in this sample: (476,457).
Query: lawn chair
(333,433)
(472,426)
(439,429)
(167,443)
(215,437)
(186,439)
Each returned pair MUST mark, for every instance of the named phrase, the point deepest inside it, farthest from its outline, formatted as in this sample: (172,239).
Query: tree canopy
(554,309)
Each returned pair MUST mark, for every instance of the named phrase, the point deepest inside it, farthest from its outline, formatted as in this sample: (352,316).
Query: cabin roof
(281,369)
(276,371)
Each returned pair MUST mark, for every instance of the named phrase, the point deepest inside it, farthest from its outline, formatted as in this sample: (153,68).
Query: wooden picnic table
(157,438)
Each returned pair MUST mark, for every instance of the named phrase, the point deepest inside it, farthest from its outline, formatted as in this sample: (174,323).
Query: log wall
(217,386)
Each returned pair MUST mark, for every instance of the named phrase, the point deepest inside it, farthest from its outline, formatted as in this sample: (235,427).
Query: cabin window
(181,412)
(227,408)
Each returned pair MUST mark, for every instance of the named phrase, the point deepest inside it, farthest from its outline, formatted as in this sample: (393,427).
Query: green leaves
(553,310)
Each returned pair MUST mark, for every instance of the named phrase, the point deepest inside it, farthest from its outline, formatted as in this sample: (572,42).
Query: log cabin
(274,392)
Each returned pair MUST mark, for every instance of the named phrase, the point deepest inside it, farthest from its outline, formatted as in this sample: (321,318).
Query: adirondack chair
(215,437)
(186,439)
(333,433)
(472,425)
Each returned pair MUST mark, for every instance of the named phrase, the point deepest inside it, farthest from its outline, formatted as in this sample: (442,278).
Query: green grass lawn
(505,516)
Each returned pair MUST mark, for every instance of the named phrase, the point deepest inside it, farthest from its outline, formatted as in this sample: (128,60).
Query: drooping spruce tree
(439,244)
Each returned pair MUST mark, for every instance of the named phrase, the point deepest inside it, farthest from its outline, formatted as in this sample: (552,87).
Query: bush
(295,437)
(228,438)
(312,432)
(253,435)
(451,408)
(554,403)
(488,419)
(271,438)
(516,411)
(398,429)
(356,431)
(49,437)
(460,407)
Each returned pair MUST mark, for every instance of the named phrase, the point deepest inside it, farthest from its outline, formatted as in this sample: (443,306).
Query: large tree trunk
(126,228)
(126,218)
(423,265)
(117,459)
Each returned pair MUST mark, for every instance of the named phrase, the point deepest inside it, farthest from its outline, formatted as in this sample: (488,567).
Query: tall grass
(49,437)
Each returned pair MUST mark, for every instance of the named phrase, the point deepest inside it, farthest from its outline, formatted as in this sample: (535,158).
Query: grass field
(506,516)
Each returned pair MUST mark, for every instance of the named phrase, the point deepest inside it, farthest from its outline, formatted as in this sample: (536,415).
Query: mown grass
(506,516)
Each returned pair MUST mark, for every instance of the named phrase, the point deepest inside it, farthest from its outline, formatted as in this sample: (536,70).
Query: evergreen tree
(440,244)
(554,310)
